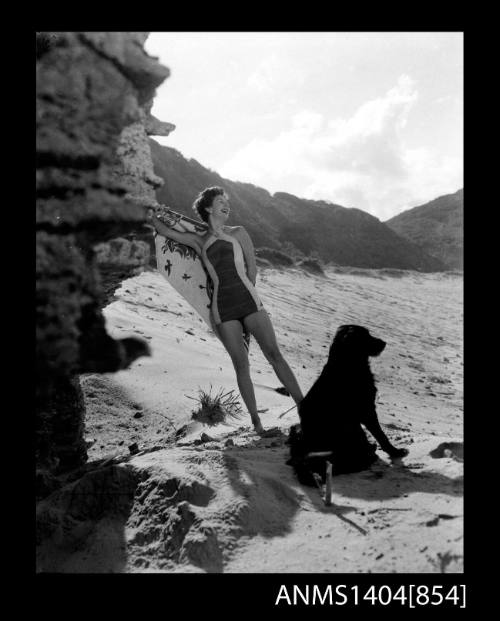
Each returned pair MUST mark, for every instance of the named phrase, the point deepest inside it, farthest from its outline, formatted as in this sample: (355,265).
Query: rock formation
(94,178)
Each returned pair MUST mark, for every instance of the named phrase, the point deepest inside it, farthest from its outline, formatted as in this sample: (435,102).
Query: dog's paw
(395,452)
(306,477)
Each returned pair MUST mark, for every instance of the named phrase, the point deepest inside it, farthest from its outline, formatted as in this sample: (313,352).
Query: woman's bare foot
(264,433)
(257,425)
(270,433)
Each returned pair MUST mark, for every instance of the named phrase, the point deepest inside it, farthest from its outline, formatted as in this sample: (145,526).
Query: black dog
(331,414)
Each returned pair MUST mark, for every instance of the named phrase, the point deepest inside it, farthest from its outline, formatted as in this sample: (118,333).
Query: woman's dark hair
(205,199)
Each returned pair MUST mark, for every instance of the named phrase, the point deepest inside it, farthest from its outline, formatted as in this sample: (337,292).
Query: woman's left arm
(248,252)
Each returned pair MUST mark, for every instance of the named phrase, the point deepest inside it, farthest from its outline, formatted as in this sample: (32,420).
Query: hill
(436,227)
(345,236)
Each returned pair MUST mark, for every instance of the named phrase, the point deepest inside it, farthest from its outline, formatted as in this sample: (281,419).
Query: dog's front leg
(373,426)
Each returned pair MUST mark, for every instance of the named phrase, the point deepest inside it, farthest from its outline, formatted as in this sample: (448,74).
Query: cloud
(361,161)
(273,74)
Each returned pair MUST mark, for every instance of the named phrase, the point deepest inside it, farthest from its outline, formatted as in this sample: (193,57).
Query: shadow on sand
(82,527)
(273,498)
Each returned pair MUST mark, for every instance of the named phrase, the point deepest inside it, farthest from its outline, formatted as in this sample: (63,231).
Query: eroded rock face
(94,177)
(127,256)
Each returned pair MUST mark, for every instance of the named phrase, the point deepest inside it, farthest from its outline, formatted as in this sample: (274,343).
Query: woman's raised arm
(189,239)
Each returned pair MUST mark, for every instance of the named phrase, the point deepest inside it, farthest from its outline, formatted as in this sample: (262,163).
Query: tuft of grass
(218,408)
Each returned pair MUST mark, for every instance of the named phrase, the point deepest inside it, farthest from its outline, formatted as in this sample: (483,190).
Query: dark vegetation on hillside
(318,229)
(436,227)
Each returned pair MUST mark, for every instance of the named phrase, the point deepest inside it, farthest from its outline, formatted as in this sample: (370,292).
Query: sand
(231,504)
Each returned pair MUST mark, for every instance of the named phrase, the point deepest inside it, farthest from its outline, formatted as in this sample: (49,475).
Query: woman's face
(220,207)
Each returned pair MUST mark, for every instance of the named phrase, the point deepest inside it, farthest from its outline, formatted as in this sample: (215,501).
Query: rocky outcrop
(119,259)
(94,177)
(134,169)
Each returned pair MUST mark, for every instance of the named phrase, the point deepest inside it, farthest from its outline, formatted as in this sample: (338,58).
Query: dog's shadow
(272,500)
(251,480)
(386,481)
(316,498)
(383,481)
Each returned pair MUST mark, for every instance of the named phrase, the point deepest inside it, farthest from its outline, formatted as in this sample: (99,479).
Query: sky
(372,120)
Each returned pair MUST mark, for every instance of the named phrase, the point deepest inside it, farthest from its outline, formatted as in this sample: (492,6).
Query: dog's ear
(344,334)
(350,340)
(339,341)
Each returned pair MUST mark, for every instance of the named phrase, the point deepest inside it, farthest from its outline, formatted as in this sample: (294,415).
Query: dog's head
(355,342)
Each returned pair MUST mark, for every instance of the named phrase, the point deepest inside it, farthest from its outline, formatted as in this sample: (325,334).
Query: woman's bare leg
(231,335)
(260,326)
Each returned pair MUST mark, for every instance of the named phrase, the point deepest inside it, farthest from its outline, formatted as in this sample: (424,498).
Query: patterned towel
(181,266)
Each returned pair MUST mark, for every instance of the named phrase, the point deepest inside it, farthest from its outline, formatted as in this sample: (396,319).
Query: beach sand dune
(220,499)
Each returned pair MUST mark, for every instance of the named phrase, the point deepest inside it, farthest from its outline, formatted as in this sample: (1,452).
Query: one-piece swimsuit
(234,295)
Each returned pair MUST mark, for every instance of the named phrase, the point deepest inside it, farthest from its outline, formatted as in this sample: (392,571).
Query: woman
(228,255)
